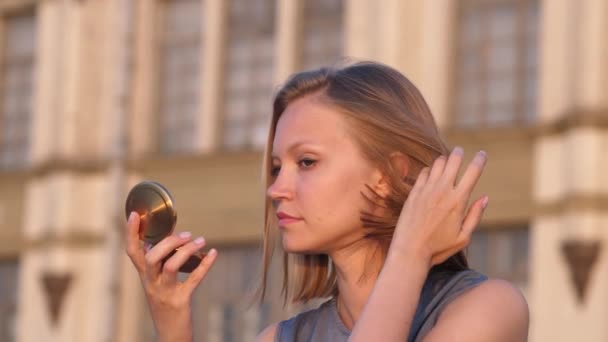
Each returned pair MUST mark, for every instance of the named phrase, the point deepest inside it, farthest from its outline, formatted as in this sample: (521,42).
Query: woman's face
(318,175)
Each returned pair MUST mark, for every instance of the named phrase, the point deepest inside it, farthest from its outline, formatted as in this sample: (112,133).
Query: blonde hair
(388,114)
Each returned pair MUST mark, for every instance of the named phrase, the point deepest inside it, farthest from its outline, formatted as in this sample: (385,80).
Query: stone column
(288,28)
(569,237)
(142,122)
(71,229)
(413,37)
(213,69)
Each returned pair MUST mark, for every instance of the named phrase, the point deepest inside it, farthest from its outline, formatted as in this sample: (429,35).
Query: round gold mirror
(156,209)
(157,214)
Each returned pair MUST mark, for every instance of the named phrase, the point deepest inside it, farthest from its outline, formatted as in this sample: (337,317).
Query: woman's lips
(288,220)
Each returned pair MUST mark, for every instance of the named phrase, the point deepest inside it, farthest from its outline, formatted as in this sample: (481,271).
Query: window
(249,79)
(224,305)
(496,63)
(8,299)
(229,321)
(180,75)
(501,253)
(16,92)
(322,33)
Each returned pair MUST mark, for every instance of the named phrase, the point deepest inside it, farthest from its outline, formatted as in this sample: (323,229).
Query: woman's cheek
(316,199)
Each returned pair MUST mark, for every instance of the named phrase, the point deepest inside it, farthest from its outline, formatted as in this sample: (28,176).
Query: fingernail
(132,216)
(185,235)
(484,202)
(212,252)
(482,153)
(199,240)
(458,150)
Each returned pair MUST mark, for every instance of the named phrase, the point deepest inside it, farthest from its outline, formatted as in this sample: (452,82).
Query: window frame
(6,14)
(160,46)
(492,261)
(522,37)
(250,121)
(303,54)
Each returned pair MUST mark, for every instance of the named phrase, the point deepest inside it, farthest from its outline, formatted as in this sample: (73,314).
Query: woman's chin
(297,247)
(294,249)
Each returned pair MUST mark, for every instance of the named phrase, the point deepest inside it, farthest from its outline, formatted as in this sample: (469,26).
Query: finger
(133,245)
(201,271)
(154,257)
(453,165)
(175,262)
(422,178)
(437,169)
(472,218)
(472,173)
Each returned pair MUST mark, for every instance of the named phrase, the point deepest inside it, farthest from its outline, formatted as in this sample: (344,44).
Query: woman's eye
(307,162)
(304,163)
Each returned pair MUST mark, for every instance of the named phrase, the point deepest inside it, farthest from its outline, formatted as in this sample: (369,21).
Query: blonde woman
(365,199)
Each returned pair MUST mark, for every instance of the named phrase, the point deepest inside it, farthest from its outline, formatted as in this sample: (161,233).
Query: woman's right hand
(168,298)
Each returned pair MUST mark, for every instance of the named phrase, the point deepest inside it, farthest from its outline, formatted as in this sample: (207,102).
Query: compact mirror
(157,216)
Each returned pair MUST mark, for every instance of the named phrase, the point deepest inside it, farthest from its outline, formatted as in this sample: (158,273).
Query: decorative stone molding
(573,119)
(63,165)
(76,238)
(581,256)
(8,7)
(574,202)
(55,287)
(576,118)
(164,162)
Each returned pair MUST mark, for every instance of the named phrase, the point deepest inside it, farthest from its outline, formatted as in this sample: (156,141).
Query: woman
(347,147)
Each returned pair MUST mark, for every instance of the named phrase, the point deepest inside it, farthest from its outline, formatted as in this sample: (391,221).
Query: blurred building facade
(96,95)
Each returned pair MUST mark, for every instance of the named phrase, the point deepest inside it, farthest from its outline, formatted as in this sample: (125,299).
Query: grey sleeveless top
(323,323)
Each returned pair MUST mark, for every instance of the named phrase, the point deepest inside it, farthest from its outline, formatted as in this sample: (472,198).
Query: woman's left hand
(433,223)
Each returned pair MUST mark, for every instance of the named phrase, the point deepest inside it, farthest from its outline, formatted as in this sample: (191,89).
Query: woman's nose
(280,188)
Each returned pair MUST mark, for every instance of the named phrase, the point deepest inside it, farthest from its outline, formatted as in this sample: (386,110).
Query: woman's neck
(357,270)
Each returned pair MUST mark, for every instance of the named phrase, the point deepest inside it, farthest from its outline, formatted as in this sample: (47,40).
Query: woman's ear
(400,164)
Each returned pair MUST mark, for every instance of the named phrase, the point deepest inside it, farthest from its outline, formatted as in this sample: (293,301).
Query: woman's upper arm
(492,311)
(268,334)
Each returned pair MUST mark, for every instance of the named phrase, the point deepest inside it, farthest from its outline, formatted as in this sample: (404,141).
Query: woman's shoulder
(268,334)
(470,285)
(491,294)
(494,308)
(469,305)
(443,286)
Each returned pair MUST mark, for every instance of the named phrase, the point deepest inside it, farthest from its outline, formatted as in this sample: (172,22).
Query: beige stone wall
(569,187)
(69,195)
(64,214)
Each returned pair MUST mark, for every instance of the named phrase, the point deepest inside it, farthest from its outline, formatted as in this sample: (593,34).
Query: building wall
(97,124)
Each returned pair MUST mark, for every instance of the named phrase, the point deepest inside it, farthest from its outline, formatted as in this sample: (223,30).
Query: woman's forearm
(390,309)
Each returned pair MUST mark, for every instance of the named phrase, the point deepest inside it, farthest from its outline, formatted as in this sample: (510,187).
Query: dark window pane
(180,75)
(249,68)
(8,299)
(322,33)
(501,253)
(17,90)
(497,59)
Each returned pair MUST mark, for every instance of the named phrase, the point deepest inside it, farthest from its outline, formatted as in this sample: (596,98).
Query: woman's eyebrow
(293,147)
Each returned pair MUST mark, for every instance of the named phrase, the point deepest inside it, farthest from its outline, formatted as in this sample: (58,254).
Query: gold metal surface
(156,209)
